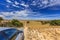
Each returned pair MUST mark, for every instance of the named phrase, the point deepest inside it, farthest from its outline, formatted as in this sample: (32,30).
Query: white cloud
(33,3)
(16,3)
(52,3)
(17,14)
(7,6)
(22,13)
(8,1)
(45,2)
(1,16)
(57,2)
(7,13)
(26,5)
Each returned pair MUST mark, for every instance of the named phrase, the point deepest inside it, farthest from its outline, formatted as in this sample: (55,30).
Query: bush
(16,23)
(44,22)
(28,22)
(55,22)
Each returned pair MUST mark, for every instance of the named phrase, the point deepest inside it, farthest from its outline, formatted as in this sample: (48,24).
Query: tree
(1,19)
(28,22)
(16,23)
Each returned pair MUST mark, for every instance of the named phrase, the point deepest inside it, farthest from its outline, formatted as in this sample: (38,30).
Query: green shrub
(16,23)
(55,22)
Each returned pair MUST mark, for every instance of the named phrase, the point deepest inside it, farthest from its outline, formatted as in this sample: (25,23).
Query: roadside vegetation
(11,23)
(55,22)
(52,22)
(16,23)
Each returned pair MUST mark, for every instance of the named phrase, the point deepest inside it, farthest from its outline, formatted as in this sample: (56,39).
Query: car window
(2,36)
(10,32)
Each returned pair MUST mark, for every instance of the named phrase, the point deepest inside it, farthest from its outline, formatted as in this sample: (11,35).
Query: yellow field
(37,25)
(34,30)
(34,24)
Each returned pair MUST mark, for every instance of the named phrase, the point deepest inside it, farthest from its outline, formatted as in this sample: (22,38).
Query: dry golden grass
(37,25)
(33,29)
(34,24)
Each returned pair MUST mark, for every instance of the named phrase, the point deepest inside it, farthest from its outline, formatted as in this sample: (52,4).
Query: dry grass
(34,30)
(37,25)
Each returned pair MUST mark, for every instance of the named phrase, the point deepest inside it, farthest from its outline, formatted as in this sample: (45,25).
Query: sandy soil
(36,31)
(43,34)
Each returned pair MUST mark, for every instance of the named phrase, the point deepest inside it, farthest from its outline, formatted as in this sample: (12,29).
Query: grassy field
(37,25)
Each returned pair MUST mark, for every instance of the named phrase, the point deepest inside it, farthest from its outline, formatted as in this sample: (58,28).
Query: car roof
(4,28)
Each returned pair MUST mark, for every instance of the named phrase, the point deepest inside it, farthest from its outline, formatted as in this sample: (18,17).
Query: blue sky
(30,9)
